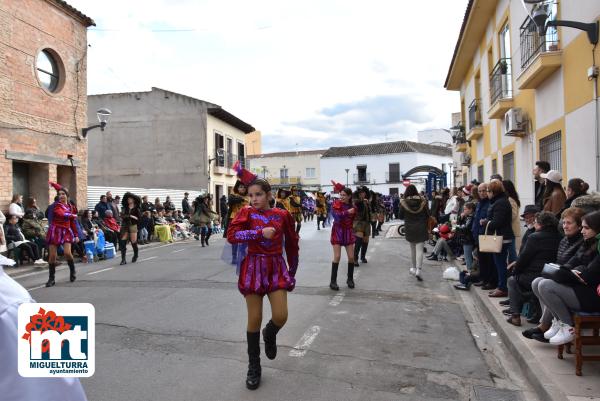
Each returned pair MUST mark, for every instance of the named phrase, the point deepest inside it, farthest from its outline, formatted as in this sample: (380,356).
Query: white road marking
(336,300)
(27,275)
(36,288)
(150,258)
(307,339)
(179,250)
(100,271)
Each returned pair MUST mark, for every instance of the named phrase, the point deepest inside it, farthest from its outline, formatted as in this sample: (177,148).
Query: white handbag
(490,243)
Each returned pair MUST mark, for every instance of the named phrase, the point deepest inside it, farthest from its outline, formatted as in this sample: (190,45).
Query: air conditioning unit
(514,123)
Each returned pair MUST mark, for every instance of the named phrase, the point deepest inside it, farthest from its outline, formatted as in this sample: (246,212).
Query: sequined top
(247,227)
(341,214)
(63,215)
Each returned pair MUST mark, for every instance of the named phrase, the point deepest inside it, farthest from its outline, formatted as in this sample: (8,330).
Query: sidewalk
(552,378)
(31,268)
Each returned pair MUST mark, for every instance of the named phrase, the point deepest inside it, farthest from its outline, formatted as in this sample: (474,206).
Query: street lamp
(347,170)
(264,168)
(451,174)
(103,115)
(218,156)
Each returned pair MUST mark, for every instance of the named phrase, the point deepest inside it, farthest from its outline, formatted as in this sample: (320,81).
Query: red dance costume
(63,228)
(341,231)
(264,270)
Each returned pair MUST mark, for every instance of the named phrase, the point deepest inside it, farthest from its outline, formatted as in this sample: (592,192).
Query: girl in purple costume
(342,234)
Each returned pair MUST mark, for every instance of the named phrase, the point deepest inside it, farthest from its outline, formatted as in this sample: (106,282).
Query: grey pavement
(172,327)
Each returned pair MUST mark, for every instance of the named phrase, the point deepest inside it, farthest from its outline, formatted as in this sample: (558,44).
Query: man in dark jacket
(102,206)
(185,206)
(147,206)
(529,216)
(540,168)
(487,271)
(223,209)
(541,248)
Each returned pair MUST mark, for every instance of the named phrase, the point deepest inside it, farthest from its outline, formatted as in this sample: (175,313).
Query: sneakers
(565,335)
(553,329)
(412,271)
(418,274)
(39,262)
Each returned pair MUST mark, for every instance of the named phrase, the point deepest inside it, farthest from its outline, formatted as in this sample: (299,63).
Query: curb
(532,368)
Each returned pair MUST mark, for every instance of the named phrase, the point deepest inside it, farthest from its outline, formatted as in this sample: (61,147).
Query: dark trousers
(487,268)
(30,249)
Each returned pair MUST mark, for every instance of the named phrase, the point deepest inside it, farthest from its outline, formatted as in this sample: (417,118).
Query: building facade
(254,143)
(43,104)
(289,168)
(384,167)
(525,96)
(162,139)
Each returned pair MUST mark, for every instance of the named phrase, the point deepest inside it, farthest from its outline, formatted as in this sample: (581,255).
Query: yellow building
(525,96)
(254,143)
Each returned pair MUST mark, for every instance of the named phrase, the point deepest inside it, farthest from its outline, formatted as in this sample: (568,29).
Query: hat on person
(337,187)
(552,175)
(467,189)
(245,176)
(530,209)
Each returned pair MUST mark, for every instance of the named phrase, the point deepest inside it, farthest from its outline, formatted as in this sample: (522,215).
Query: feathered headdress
(337,187)
(245,176)
(136,199)
(56,186)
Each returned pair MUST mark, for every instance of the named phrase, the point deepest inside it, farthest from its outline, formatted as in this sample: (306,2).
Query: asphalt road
(172,327)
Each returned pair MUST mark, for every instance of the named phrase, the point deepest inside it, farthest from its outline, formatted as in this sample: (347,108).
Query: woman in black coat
(499,221)
(415,213)
(541,248)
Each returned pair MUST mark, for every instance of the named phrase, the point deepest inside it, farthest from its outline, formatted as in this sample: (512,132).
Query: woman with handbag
(574,287)
(415,213)
(499,224)
(569,246)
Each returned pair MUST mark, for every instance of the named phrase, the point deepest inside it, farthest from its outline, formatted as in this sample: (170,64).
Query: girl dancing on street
(62,231)
(263,270)
(342,235)
(131,216)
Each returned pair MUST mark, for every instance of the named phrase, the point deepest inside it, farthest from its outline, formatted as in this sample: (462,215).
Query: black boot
(333,283)
(379,224)
(254,370)
(373,229)
(298,226)
(357,245)
(207,237)
(350,280)
(134,245)
(270,338)
(123,245)
(318,224)
(51,272)
(71,264)
(363,252)
(202,239)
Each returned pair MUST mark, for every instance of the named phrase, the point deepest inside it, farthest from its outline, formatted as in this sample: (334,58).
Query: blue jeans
(500,262)
(512,251)
(468,251)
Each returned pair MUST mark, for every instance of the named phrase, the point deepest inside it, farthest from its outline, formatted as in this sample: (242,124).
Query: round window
(47,70)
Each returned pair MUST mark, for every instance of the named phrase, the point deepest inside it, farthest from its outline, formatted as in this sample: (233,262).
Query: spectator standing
(554,195)
(168,205)
(102,206)
(224,210)
(499,221)
(415,213)
(116,208)
(158,204)
(575,189)
(185,206)
(147,206)
(16,206)
(487,271)
(541,167)
(515,204)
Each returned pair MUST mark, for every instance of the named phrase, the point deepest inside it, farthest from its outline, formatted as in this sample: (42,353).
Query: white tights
(416,254)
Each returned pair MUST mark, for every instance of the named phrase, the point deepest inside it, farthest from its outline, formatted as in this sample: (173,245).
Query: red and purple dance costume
(62,230)
(264,269)
(341,231)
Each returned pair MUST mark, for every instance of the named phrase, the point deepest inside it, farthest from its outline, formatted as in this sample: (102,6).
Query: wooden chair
(583,321)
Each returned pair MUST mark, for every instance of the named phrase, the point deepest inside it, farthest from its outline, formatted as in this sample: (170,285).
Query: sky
(308,74)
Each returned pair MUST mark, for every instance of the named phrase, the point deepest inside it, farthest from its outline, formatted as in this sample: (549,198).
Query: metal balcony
(362,178)
(501,81)
(393,177)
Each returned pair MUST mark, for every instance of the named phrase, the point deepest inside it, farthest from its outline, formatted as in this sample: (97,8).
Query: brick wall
(32,120)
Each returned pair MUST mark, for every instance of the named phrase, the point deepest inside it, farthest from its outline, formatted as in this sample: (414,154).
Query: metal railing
(474,114)
(501,81)
(393,177)
(361,178)
(227,159)
(286,181)
(532,43)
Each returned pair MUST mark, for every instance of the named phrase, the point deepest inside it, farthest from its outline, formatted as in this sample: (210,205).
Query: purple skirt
(261,274)
(59,236)
(342,236)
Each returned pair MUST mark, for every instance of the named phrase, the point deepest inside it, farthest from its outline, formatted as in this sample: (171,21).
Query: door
(218,194)
(394,172)
(21,179)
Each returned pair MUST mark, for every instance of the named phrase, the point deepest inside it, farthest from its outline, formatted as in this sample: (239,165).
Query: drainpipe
(597,130)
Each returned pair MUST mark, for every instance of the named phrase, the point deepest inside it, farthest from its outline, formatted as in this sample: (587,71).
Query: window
(480,174)
(393,191)
(465,179)
(551,150)
(48,71)
(394,172)
(283,173)
(311,172)
(508,163)
(361,173)
(219,145)
(241,153)
(495,166)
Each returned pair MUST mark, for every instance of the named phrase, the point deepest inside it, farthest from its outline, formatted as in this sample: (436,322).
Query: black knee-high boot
(51,273)
(208,234)
(134,245)
(333,283)
(379,224)
(270,338)
(298,226)
(123,245)
(202,238)
(254,370)
(373,229)
(318,223)
(71,264)
(350,280)
(357,246)
(363,252)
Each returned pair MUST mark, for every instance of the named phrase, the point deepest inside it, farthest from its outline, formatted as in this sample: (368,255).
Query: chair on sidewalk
(583,321)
